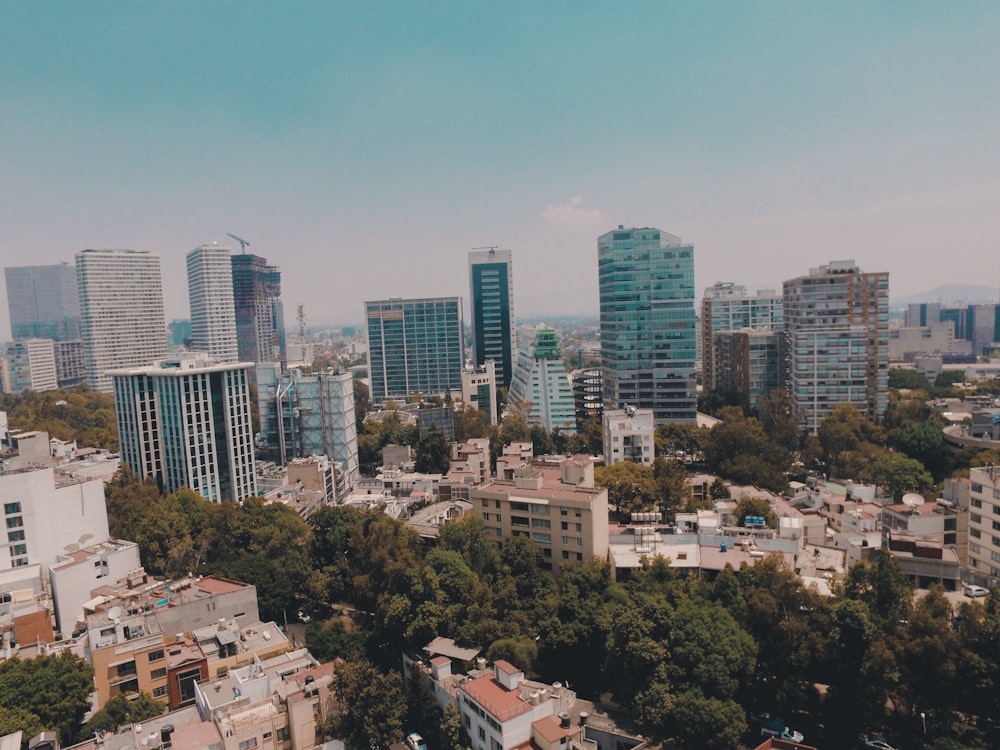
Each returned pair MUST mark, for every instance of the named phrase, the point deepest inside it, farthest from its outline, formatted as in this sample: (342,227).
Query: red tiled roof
(501,703)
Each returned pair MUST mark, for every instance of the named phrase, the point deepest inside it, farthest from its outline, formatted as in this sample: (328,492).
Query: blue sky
(365,147)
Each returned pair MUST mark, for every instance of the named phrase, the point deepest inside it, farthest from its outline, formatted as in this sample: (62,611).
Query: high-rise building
(260,320)
(728,307)
(540,384)
(186,423)
(629,435)
(588,395)
(479,389)
(121,312)
(646,279)
(43,302)
(922,314)
(210,291)
(71,365)
(837,328)
(32,364)
(415,346)
(491,286)
(304,415)
(747,363)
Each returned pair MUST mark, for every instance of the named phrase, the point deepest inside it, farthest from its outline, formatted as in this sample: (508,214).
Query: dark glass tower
(260,325)
(491,285)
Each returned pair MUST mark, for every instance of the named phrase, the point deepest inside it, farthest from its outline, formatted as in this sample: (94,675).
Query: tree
(740,450)
(20,720)
(362,401)
(843,430)
(923,441)
(631,487)
(897,475)
(901,378)
(433,455)
(338,639)
(470,422)
(56,689)
(520,651)
(718,490)
(121,710)
(710,723)
(451,729)
(758,507)
(777,414)
(372,706)
(673,490)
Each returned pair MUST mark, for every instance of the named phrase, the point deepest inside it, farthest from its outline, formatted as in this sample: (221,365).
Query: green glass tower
(491,284)
(646,279)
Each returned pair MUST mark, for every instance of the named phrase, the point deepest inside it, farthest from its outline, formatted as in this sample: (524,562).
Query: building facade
(121,312)
(747,363)
(479,389)
(629,435)
(646,280)
(43,302)
(491,295)
(210,292)
(415,346)
(837,324)
(540,385)
(588,395)
(32,365)
(186,423)
(260,319)
(728,307)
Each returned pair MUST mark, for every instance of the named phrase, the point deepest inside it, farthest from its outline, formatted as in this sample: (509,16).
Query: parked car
(878,743)
(972,591)
(778,728)
(415,742)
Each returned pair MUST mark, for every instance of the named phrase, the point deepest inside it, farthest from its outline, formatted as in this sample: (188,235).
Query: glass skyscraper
(210,291)
(43,302)
(414,346)
(260,321)
(648,343)
(491,285)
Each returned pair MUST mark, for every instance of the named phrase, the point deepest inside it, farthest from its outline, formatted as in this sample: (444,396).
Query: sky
(365,147)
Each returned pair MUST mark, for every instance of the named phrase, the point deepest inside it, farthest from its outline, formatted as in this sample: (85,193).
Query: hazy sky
(364,147)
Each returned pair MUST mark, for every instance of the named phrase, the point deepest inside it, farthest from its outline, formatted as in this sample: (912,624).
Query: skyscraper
(43,302)
(728,307)
(491,287)
(121,311)
(186,422)
(541,384)
(646,279)
(260,321)
(414,346)
(837,328)
(210,291)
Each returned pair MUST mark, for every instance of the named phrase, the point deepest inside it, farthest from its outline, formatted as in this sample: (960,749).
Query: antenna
(491,248)
(243,243)
(302,330)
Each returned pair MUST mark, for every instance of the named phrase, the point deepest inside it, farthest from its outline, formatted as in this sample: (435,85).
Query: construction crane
(243,243)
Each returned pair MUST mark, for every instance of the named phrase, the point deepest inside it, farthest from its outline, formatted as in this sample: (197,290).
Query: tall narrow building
(491,290)
(121,312)
(210,292)
(260,322)
(541,384)
(728,307)
(186,422)
(43,302)
(837,328)
(415,346)
(646,279)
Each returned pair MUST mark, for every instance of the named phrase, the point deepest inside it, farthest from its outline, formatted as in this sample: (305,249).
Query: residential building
(588,395)
(442,417)
(479,389)
(210,292)
(906,343)
(984,525)
(981,326)
(922,314)
(77,572)
(747,363)
(32,365)
(629,436)
(186,423)
(540,386)
(556,506)
(415,346)
(491,287)
(308,414)
(121,312)
(71,365)
(728,307)
(260,319)
(43,302)
(837,323)
(646,279)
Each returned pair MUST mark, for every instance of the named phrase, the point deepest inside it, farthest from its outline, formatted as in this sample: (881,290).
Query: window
(247,744)
(975,518)
(542,510)
(14,522)
(126,669)
(15,536)
(283,734)
(540,537)
(266,735)
(155,655)
(158,674)
(541,523)
(19,549)
(11,508)
(160,692)
(519,521)
(482,734)
(976,502)
(976,487)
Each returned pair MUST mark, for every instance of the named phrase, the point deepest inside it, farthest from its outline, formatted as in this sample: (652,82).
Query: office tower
(922,314)
(588,395)
(491,285)
(540,385)
(186,422)
(747,363)
(629,435)
(43,302)
(479,389)
(415,346)
(121,312)
(837,328)
(32,365)
(260,322)
(210,292)
(71,365)
(728,307)
(646,279)
(304,415)
(981,327)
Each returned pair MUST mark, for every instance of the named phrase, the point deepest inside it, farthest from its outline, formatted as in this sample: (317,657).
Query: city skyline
(771,136)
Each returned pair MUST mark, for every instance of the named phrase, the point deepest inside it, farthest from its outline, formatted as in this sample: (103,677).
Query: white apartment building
(629,436)
(729,307)
(984,525)
(32,364)
(121,312)
(541,382)
(210,292)
(186,422)
(479,389)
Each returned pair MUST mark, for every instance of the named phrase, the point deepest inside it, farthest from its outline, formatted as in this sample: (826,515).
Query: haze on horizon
(366,147)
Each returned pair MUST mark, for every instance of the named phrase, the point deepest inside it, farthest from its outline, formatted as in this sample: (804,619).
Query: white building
(210,291)
(728,307)
(479,388)
(629,436)
(78,572)
(186,422)
(541,382)
(121,312)
(32,365)
(984,520)
(905,343)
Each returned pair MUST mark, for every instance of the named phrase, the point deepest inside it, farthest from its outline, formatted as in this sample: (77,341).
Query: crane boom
(243,243)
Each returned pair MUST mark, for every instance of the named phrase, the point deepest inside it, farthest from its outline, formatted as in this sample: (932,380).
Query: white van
(974,591)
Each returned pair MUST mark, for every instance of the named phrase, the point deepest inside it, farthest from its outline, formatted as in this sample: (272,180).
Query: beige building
(556,506)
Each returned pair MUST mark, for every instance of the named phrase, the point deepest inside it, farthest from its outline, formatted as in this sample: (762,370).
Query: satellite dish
(913,499)
(114,613)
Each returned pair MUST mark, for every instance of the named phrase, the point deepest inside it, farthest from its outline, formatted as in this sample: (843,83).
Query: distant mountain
(950,295)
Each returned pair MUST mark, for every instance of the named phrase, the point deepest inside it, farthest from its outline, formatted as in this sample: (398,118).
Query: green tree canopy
(56,689)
